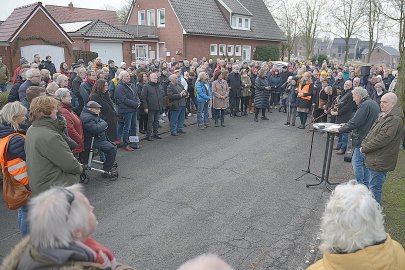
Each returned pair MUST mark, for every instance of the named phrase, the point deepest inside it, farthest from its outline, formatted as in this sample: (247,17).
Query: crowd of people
(54,120)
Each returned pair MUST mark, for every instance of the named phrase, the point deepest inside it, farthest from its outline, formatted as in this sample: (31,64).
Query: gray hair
(52,88)
(60,78)
(122,73)
(117,73)
(171,77)
(206,261)
(9,113)
(352,220)
(61,93)
(360,91)
(53,219)
(31,72)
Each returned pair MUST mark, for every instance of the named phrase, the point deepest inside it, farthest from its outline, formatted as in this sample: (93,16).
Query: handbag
(15,194)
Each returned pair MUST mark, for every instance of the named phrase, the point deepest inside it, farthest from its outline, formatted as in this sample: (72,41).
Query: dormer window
(240,22)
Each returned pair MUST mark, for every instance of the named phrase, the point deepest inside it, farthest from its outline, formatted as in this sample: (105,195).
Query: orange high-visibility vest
(304,90)
(16,167)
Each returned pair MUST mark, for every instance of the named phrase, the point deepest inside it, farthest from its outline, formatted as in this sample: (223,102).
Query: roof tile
(73,14)
(100,29)
(15,20)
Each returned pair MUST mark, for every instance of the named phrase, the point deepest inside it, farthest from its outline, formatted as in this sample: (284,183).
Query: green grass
(393,201)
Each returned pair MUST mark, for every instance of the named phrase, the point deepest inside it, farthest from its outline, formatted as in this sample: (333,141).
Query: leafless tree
(394,10)
(348,19)
(308,21)
(285,14)
(375,24)
(123,12)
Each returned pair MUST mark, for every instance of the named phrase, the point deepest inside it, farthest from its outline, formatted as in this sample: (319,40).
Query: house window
(141,52)
(151,17)
(213,49)
(161,18)
(238,50)
(141,17)
(230,50)
(222,49)
(240,23)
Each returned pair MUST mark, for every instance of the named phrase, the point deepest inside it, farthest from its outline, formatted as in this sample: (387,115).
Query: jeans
(3,87)
(22,218)
(177,119)
(342,142)
(153,122)
(359,168)
(202,109)
(375,183)
(127,127)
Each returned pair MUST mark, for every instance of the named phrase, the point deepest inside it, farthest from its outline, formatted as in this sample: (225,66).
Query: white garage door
(108,51)
(57,53)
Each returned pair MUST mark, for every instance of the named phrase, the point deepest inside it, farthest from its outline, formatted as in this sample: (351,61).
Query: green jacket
(381,145)
(4,74)
(49,159)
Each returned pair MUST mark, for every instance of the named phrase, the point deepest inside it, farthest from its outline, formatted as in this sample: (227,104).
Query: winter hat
(110,61)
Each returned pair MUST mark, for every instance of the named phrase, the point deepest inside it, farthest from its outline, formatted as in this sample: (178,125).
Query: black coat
(176,100)
(126,97)
(93,125)
(235,84)
(107,113)
(338,84)
(365,116)
(49,66)
(85,91)
(152,96)
(13,95)
(346,105)
(16,145)
(262,95)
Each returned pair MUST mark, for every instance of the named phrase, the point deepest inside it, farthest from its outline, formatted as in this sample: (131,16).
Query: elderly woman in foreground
(61,222)
(353,234)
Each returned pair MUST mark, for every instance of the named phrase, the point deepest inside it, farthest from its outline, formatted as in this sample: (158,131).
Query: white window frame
(148,19)
(139,17)
(230,50)
(159,22)
(136,50)
(238,22)
(238,52)
(216,49)
(223,51)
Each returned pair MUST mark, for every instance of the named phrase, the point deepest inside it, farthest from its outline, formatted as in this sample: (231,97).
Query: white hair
(360,91)
(52,88)
(61,93)
(122,73)
(352,220)
(172,77)
(60,78)
(206,262)
(53,219)
(30,73)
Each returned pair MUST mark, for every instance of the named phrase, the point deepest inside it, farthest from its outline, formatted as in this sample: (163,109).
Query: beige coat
(219,91)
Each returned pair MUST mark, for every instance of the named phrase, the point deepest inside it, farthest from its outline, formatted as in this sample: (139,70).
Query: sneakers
(201,127)
(111,175)
(181,131)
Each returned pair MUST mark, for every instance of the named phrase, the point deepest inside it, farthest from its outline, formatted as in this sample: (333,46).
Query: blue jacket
(126,98)
(202,93)
(275,82)
(93,125)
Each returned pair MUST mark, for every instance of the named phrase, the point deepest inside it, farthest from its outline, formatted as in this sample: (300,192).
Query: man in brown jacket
(381,145)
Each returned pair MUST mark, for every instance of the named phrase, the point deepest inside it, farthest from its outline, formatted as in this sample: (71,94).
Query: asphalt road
(229,191)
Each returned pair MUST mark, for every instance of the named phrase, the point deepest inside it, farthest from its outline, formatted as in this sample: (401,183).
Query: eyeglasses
(70,197)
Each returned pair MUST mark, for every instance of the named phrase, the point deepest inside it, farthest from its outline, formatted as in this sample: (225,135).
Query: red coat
(74,127)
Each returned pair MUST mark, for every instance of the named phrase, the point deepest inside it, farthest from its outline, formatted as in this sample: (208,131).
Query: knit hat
(93,104)
(110,61)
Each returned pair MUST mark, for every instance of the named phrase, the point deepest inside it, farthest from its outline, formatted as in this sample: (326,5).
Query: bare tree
(375,24)
(309,15)
(123,12)
(286,16)
(394,10)
(348,19)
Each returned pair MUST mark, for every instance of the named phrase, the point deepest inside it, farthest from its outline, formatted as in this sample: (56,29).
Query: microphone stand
(308,170)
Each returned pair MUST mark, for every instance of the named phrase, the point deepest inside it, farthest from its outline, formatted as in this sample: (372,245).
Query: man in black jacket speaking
(367,112)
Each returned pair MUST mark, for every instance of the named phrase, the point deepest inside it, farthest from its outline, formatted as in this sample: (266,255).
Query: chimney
(70,5)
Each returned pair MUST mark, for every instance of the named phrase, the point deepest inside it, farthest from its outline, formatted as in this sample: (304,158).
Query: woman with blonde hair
(12,117)
(49,159)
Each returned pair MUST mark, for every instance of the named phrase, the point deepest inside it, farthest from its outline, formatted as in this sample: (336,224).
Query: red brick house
(22,34)
(208,28)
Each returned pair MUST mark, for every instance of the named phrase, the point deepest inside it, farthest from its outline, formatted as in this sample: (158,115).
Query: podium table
(326,127)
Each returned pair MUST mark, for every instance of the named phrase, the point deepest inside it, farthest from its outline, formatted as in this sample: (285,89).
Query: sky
(7,6)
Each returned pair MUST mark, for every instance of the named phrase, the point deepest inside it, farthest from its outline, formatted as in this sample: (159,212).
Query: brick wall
(171,34)
(39,26)
(199,46)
